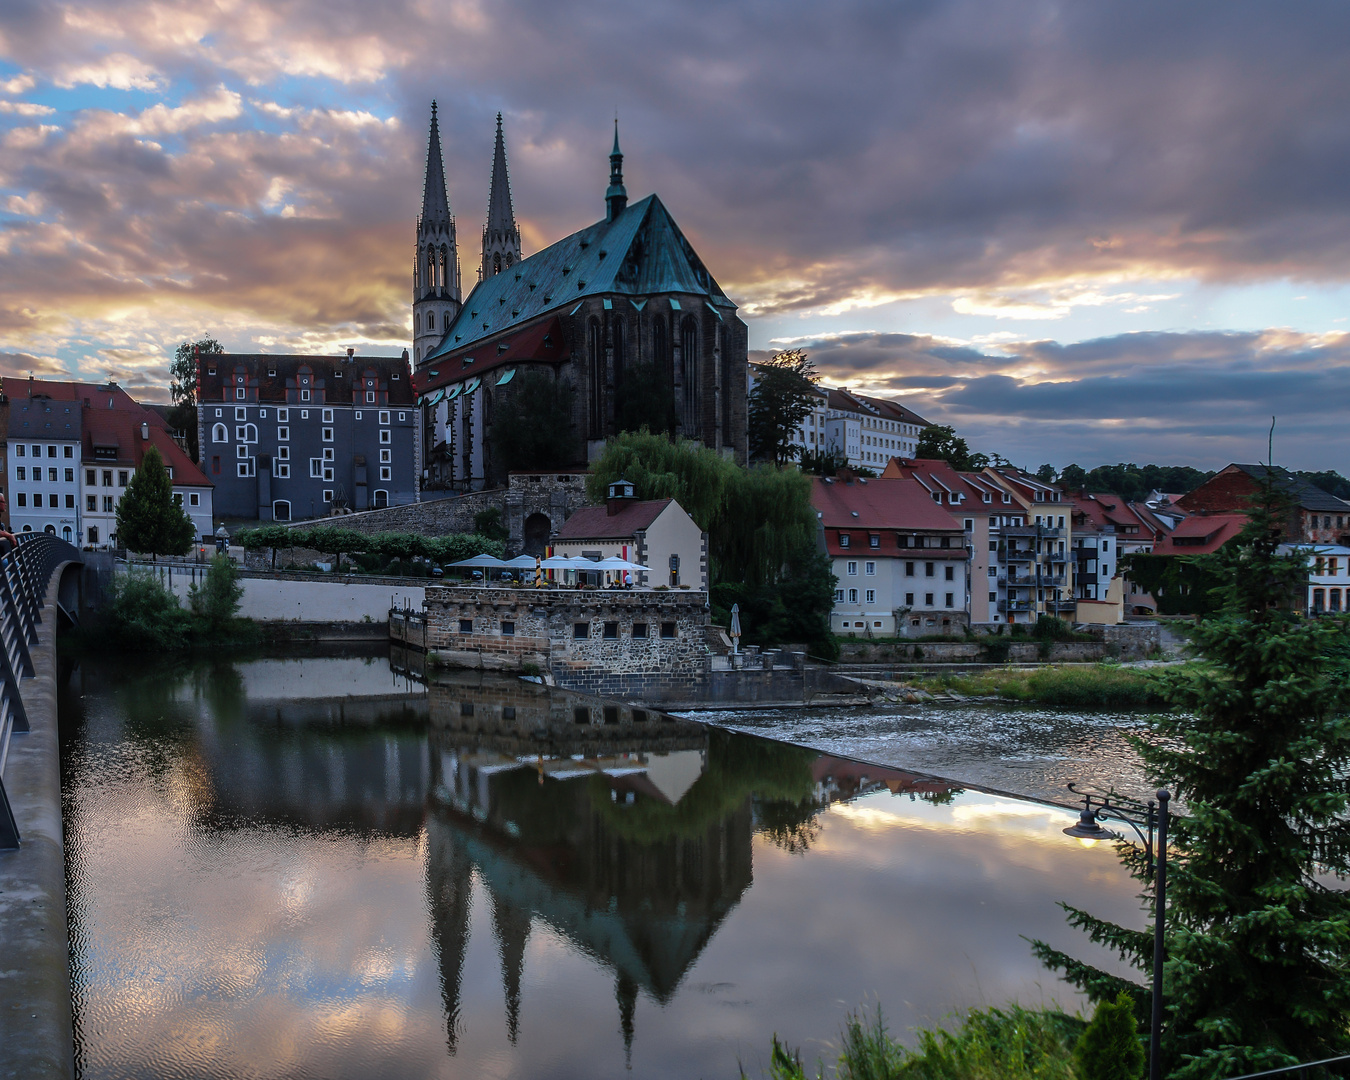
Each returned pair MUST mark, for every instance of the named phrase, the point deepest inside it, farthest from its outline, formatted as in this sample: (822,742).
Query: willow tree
(1257,747)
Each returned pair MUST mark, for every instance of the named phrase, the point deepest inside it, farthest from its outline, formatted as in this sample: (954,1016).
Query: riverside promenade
(39,584)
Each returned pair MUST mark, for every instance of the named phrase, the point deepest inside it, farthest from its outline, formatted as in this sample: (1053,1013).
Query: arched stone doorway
(538,528)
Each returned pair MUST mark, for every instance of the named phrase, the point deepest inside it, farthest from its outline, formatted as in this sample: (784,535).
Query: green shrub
(143,615)
(1110,1049)
(215,603)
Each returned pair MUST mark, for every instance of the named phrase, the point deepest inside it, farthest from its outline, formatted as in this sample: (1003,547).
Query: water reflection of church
(610,828)
(626,831)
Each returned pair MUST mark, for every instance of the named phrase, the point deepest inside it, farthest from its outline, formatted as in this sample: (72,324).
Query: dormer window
(843,539)
(874,541)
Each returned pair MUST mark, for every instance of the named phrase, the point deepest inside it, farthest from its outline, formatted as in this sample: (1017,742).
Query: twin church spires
(437,295)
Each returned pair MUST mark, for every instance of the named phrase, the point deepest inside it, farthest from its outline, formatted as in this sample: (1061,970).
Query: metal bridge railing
(1308,1070)
(24,576)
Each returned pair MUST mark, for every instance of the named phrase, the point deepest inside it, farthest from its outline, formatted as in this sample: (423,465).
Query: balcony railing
(1032,530)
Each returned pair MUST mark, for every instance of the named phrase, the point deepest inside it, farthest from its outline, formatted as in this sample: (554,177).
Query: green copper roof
(640,253)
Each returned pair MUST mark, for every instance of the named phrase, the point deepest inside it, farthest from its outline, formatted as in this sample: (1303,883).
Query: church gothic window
(689,358)
(595,375)
(620,336)
(431,320)
(659,344)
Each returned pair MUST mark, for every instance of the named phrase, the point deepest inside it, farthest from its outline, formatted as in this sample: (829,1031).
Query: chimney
(350,352)
(145,431)
(620,492)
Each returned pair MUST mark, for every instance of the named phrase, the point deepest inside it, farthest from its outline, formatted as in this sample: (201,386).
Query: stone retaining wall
(509,629)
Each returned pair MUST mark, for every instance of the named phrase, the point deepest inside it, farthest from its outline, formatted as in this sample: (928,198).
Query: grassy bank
(1011,1043)
(1081,686)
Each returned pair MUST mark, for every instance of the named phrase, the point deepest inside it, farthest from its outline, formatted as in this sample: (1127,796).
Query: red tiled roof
(597,523)
(934,474)
(542,341)
(1201,534)
(122,428)
(879,504)
(335,380)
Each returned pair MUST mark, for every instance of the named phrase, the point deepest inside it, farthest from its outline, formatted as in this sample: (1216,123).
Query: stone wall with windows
(568,632)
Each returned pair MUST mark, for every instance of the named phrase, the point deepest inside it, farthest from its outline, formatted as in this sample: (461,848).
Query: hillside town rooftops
(272,378)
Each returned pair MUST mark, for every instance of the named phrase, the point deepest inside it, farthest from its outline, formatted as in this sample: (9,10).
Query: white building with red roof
(900,560)
(72,449)
(657,533)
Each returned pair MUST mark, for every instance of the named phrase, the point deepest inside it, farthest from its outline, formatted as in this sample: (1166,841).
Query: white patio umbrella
(616,563)
(735,627)
(521,562)
(562,562)
(485,562)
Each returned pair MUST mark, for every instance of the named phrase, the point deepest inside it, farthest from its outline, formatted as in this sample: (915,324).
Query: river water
(319,868)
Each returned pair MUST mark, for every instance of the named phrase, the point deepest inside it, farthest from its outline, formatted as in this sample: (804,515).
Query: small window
(194,498)
(327,416)
(107,478)
(870,597)
(328,492)
(384,416)
(283,434)
(951,573)
(870,569)
(219,413)
(909,600)
(466,626)
(91,503)
(70,476)
(853,596)
(239,393)
(386,438)
(304,396)
(386,473)
(21,473)
(852,569)
(18,451)
(843,539)
(508,712)
(328,476)
(909,569)
(581,715)
(639,630)
(466,708)
(929,569)
(370,397)
(581,631)
(993,596)
(327,453)
(304,414)
(667,629)
(327,434)
(611,714)
(508,629)
(281,471)
(949,600)
(611,631)
(283,453)
(874,541)
(51,451)
(283,416)
(23,499)
(69,451)
(358,414)
(386,455)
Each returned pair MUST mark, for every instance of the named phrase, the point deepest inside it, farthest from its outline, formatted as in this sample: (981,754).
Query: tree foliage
(148,520)
(215,603)
(1257,747)
(1131,481)
(1109,1049)
(760,525)
(532,425)
(489,523)
(388,545)
(1181,584)
(939,441)
(183,387)
(782,398)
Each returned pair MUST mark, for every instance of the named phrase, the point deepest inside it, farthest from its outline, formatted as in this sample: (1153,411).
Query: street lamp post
(1152,816)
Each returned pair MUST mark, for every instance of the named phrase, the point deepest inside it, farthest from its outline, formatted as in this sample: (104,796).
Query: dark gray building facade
(286,437)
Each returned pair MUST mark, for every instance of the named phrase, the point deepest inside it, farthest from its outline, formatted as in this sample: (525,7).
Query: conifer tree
(1257,969)
(148,520)
(1110,1049)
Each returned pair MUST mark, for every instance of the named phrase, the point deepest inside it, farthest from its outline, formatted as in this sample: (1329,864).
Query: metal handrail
(1300,1069)
(25,574)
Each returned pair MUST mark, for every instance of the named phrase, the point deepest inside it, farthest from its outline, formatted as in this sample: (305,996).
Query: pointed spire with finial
(435,202)
(616,198)
(501,237)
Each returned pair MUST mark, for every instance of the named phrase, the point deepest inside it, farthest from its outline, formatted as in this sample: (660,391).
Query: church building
(622,315)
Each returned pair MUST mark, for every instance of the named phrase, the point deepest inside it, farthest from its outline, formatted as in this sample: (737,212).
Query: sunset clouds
(1127,224)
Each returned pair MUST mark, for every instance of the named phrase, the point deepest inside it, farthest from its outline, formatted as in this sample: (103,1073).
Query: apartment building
(1034,548)
(900,558)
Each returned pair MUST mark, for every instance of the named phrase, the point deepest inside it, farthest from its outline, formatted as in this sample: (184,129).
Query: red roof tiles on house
(1201,534)
(597,523)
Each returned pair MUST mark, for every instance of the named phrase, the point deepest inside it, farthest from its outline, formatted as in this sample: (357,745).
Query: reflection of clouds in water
(1026,751)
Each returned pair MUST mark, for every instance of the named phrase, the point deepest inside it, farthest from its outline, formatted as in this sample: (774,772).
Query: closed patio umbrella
(735,627)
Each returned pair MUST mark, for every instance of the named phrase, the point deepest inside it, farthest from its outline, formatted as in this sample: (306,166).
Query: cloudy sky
(1079,232)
